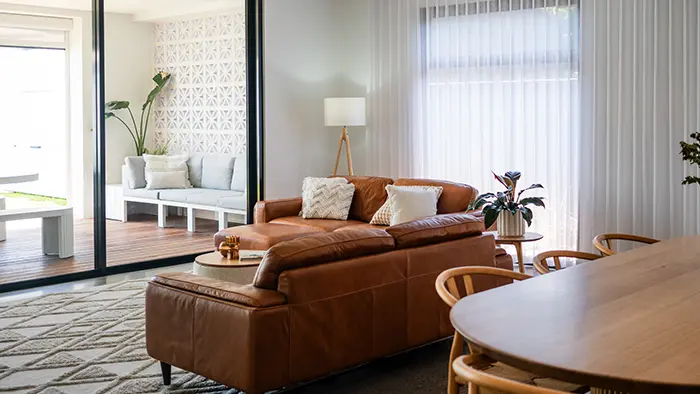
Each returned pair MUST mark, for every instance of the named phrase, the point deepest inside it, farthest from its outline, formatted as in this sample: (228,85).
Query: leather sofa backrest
(455,197)
(435,229)
(370,195)
(319,249)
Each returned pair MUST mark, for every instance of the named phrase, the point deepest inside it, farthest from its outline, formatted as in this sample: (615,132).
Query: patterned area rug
(90,341)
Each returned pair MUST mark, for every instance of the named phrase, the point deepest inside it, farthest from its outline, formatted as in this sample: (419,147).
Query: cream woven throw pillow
(326,198)
(167,172)
(383,215)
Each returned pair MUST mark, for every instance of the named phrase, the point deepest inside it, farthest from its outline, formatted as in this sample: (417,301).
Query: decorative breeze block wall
(203,108)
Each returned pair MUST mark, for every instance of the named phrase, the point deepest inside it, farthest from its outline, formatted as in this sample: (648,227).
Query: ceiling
(144,10)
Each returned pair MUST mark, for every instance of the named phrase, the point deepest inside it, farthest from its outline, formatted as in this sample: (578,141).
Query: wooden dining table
(629,322)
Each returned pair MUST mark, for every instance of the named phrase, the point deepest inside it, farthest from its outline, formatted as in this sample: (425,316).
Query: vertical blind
(639,99)
(462,88)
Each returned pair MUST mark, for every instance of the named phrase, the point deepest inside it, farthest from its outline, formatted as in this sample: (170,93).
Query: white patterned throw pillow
(311,183)
(383,215)
(167,172)
(326,198)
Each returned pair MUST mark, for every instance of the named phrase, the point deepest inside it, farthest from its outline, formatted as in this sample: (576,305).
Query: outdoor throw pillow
(167,172)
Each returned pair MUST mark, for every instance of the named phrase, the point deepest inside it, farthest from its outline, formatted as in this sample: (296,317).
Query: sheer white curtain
(640,98)
(463,88)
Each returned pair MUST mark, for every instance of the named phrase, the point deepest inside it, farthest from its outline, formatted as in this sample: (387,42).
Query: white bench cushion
(211,197)
(142,193)
(238,202)
(179,195)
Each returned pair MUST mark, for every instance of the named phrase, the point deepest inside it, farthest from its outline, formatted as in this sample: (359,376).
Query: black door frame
(255,120)
(254,151)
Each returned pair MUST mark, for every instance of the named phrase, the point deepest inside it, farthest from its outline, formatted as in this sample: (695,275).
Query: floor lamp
(348,111)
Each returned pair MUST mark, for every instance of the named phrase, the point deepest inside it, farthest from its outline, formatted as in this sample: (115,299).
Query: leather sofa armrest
(248,295)
(266,211)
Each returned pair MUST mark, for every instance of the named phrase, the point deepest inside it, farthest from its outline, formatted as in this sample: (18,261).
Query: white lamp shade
(348,111)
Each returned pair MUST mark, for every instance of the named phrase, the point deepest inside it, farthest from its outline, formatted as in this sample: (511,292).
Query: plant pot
(510,225)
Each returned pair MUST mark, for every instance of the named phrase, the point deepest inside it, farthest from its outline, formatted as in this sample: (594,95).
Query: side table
(213,265)
(517,242)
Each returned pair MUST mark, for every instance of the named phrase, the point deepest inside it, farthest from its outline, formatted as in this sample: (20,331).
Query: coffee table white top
(8,176)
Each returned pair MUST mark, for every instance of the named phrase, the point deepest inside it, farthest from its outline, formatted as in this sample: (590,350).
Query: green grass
(35,197)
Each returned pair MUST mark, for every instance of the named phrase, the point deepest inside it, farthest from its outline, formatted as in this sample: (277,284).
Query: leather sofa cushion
(455,197)
(226,291)
(319,249)
(319,224)
(362,226)
(264,235)
(435,229)
(370,195)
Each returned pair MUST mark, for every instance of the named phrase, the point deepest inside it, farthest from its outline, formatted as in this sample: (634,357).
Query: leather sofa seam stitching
(251,300)
(444,227)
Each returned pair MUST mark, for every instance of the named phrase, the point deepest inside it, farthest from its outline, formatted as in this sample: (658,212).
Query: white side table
(115,209)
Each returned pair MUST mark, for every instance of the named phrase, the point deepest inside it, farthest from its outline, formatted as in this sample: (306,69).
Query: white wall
(313,49)
(128,73)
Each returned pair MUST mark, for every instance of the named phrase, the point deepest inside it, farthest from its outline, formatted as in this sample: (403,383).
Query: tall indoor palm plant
(138,132)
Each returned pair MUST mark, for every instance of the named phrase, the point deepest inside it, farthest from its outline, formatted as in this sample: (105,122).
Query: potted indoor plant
(507,208)
(691,153)
(138,132)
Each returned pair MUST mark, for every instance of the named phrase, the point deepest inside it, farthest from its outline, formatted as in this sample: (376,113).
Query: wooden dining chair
(476,371)
(602,242)
(448,285)
(542,266)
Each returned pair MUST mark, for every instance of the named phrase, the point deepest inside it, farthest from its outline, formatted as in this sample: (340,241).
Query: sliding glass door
(125,84)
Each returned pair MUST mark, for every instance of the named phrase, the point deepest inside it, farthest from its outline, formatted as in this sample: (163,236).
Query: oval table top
(7,177)
(629,322)
(216,260)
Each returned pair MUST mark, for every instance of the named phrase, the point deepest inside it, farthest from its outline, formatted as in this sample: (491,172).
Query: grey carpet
(93,341)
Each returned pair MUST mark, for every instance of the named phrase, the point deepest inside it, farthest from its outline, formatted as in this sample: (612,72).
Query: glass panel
(35,167)
(198,116)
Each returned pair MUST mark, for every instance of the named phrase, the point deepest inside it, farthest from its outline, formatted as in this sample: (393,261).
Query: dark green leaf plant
(691,153)
(492,204)
(138,132)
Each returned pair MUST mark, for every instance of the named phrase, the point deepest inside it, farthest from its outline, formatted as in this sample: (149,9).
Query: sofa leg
(166,369)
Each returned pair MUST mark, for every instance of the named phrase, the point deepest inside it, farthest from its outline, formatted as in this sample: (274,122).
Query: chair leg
(456,351)
(166,369)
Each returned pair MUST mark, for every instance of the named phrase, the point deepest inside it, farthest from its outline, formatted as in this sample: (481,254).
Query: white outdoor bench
(56,227)
(218,185)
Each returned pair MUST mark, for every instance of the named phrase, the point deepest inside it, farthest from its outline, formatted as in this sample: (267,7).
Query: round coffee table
(213,265)
(518,243)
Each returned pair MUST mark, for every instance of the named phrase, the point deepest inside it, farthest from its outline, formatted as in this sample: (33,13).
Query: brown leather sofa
(278,220)
(318,304)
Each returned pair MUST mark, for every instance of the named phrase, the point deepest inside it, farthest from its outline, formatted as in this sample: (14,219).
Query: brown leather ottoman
(265,235)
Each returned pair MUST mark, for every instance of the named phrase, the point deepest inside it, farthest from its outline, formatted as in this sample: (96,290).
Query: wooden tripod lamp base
(347,111)
(346,139)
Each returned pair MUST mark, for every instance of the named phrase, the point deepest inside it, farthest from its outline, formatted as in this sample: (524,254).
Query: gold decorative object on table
(230,247)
